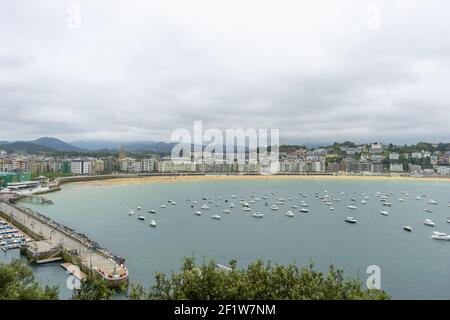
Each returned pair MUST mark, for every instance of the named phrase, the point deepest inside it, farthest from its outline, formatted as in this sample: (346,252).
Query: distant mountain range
(23,147)
(56,144)
(49,144)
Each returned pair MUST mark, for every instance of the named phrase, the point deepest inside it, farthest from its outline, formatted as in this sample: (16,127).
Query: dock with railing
(52,241)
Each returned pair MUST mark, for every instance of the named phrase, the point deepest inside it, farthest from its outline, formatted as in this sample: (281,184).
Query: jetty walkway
(53,241)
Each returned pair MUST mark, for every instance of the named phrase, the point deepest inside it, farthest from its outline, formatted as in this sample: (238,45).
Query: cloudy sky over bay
(320,71)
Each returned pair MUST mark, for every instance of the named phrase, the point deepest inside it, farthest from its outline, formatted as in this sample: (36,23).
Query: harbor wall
(8,213)
(73,246)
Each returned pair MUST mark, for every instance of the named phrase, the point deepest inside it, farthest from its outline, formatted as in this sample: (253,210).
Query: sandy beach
(187,178)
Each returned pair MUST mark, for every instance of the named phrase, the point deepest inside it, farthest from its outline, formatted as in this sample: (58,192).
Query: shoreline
(141,180)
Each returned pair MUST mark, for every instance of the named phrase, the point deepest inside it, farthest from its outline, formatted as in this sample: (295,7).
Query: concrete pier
(52,240)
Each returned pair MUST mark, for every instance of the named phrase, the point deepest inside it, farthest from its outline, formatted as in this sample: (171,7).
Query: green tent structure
(7,177)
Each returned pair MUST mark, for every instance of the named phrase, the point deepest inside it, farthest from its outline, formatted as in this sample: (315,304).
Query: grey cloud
(140,70)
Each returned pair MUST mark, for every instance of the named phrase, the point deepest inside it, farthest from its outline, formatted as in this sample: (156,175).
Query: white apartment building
(414,168)
(318,166)
(148,165)
(376,157)
(393,156)
(174,166)
(127,165)
(80,167)
(396,167)
(137,166)
(443,170)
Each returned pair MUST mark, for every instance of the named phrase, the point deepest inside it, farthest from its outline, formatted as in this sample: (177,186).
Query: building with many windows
(396,167)
(80,167)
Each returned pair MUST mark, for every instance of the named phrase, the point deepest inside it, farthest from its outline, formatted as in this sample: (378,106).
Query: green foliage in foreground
(17,283)
(257,281)
(93,289)
(205,281)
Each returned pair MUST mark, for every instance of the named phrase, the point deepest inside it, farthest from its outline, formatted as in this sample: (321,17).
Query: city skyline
(319,72)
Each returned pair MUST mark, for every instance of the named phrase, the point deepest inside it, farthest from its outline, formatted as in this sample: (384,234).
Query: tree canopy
(93,289)
(258,281)
(17,283)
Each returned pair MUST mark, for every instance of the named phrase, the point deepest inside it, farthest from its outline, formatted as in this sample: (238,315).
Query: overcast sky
(320,71)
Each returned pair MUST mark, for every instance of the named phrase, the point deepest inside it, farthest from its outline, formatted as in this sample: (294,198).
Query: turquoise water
(412,264)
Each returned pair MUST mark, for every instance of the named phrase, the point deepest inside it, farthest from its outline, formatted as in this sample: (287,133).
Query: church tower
(122,152)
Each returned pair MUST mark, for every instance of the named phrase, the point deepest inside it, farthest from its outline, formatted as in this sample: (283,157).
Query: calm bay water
(412,264)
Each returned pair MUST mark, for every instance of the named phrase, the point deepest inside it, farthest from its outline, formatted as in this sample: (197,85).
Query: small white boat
(428,210)
(130,213)
(428,222)
(304,210)
(246,209)
(151,211)
(199,213)
(350,220)
(418,198)
(173,203)
(431,201)
(440,236)
(139,208)
(215,217)
(226,210)
(257,215)
(233,196)
(142,218)
(363,201)
(331,208)
(384,212)
(289,214)
(401,199)
(274,207)
(204,207)
(152,224)
(387,204)
(162,206)
(304,204)
(352,207)
(448,220)
(294,207)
